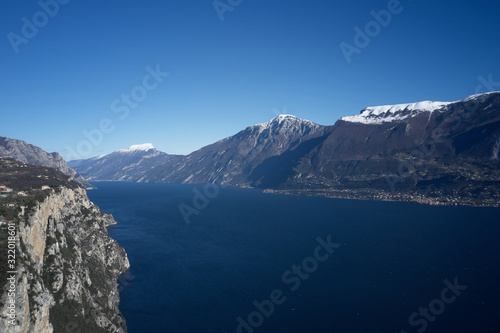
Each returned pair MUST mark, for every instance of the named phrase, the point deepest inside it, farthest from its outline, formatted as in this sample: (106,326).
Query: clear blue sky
(264,58)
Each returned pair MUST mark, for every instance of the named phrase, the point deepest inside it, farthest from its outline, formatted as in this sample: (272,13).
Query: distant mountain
(30,154)
(233,159)
(122,165)
(429,152)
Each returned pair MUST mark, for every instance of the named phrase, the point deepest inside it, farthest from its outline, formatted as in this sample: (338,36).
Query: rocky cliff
(27,153)
(67,266)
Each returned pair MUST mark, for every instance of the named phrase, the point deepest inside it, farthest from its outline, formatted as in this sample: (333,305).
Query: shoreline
(390,197)
(366,194)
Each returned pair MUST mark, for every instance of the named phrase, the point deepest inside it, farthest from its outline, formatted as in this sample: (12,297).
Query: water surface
(392,260)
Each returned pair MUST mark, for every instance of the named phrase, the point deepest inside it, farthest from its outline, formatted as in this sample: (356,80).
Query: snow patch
(420,106)
(389,113)
(472,97)
(282,117)
(142,147)
(285,116)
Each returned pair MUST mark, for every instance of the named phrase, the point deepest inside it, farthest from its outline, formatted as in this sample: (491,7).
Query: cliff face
(67,268)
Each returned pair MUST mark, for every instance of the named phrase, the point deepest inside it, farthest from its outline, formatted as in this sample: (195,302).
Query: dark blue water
(391,264)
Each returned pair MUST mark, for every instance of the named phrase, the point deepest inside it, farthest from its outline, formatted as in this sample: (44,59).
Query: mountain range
(123,165)
(431,152)
(426,152)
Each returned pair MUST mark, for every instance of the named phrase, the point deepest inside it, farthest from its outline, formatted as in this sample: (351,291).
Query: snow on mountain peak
(285,116)
(281,118)
(420,106)
(142,147)
(472,97)
(388,113)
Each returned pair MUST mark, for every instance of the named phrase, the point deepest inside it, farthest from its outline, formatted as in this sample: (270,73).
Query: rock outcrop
(67,268)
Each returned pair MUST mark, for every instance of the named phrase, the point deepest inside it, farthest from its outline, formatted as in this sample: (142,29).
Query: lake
(254,262)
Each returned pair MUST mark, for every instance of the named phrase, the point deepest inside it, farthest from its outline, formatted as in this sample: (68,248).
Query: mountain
(233,159)
(27,153)
(429,152)
(391,113)
(122,165)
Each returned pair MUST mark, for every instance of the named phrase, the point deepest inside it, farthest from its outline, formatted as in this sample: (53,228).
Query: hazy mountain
(233,159)
(123,164)
(30,154)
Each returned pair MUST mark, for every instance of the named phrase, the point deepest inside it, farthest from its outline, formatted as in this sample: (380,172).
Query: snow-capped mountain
(138,148)
(428,148)
(283,122)
(417,151)
(273,137)
(404,152)
(233,159)
(389,113)
(376,115)
(123,164)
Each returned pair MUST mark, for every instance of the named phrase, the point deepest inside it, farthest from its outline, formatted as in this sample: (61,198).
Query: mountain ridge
(384,156)
(389,113)
(224,160)
(28,153)
(122,165)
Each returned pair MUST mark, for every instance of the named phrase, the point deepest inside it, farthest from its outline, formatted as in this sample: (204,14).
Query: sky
(85,78)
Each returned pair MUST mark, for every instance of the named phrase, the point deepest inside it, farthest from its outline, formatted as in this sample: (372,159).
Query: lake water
(385,262)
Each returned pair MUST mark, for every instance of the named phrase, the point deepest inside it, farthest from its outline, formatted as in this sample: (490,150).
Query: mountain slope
(231,160)
(442,150)
(27,153)
(433,152)
(124,164)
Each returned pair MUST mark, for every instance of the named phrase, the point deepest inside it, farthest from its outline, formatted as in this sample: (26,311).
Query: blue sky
(263,59)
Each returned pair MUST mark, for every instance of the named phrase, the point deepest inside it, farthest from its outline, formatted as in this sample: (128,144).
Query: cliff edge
(66,264)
